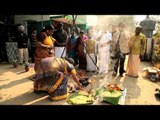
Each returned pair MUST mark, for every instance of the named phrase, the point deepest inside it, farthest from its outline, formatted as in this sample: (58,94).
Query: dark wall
(7,19)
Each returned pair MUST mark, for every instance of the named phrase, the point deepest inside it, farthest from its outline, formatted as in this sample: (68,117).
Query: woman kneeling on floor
(53,77)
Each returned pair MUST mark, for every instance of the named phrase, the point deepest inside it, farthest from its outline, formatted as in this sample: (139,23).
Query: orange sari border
(54,87)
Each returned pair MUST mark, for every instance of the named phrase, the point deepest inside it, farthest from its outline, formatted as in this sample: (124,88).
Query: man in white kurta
(103,52)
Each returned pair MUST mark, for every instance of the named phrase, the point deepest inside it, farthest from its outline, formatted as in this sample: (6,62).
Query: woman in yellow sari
(44,46)
(44,43)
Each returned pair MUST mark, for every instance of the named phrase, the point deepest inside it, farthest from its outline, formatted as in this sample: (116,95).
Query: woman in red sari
(80,48)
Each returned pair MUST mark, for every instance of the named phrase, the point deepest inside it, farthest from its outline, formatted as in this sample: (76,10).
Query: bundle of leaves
(80,98)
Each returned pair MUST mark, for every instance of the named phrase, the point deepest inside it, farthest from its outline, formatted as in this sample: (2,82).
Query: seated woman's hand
(81,87)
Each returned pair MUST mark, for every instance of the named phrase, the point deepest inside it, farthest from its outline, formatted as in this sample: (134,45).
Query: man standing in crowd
(33,39)
(22,40)
(113,46)
(122,49)
(103,51)
(137,45)
(61,36)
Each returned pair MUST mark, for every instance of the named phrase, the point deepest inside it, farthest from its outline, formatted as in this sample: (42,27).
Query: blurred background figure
(33,39)
(114,33)
(103,52)
(80,50)
(91,50)
(22,40)
(68,30)
(70,51)
(61,37)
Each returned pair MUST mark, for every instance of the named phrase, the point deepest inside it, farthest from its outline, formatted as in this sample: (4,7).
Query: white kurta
(103,53)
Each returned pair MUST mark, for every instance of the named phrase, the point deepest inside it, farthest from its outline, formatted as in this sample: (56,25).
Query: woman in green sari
(71,47)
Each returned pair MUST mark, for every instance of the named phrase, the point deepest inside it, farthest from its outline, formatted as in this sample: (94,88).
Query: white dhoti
(59,51)
(103,61)
(90,64)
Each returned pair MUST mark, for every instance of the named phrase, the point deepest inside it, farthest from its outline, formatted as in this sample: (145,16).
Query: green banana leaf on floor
(80,98)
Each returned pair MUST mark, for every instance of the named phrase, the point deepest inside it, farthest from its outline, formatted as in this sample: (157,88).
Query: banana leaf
(112,96)
(80,98)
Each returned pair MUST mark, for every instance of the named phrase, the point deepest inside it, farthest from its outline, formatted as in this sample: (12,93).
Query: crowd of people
(57,52)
